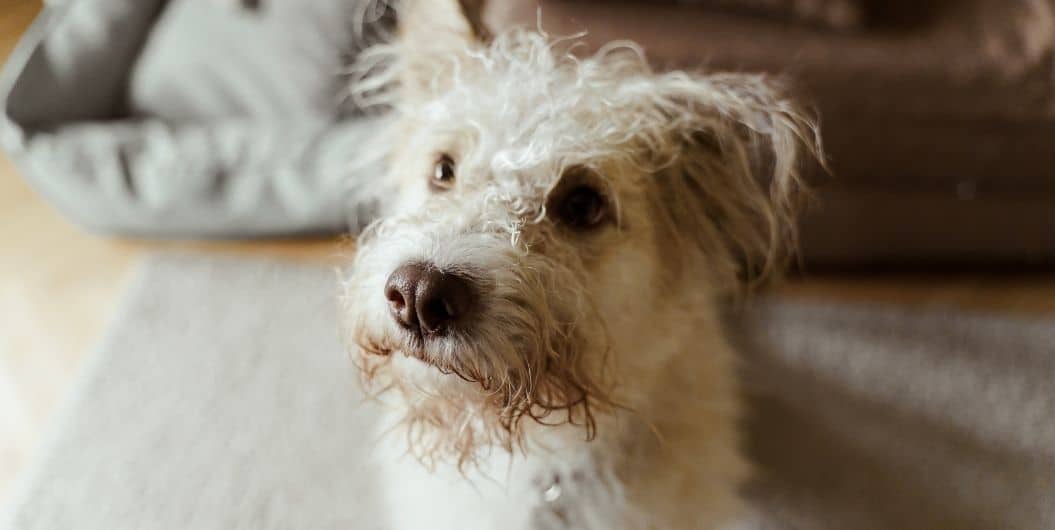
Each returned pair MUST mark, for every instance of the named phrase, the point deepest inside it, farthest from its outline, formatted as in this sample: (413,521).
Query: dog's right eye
(442,178)
(582,208)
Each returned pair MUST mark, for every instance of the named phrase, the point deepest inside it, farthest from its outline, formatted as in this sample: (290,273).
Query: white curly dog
(539,307)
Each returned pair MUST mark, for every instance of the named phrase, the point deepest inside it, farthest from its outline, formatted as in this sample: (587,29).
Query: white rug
(220,399)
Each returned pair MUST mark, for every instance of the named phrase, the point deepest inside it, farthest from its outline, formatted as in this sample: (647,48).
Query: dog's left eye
(442,177)
(582,208)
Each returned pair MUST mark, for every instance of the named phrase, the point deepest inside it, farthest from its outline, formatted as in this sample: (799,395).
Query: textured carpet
(220,399)
(873,418)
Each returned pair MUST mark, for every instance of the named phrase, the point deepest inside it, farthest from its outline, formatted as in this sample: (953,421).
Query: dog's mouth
(415,346)
(446,354)
(409,344)
(516,381)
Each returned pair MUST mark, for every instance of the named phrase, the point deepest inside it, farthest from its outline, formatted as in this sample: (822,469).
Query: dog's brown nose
(425,299)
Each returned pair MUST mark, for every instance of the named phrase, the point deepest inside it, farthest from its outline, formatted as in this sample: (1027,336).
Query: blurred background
(215,126)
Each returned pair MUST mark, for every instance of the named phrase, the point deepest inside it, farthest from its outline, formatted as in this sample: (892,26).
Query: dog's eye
(442,177)
(582,208)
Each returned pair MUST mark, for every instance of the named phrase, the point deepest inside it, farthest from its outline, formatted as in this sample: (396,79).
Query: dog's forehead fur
(526,106)
(522,105)
(517,114)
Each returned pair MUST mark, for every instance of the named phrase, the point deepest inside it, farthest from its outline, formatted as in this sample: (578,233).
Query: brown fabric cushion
(840,14)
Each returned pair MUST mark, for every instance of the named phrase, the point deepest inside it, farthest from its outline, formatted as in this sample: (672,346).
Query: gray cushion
(190,117)
(206,59)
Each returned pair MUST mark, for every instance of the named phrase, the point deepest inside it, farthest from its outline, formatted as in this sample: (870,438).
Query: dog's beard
(535,355)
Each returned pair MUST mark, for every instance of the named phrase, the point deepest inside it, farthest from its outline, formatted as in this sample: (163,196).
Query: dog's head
(550,215)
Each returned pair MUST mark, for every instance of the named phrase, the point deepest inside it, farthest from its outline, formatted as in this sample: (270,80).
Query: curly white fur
(597,365)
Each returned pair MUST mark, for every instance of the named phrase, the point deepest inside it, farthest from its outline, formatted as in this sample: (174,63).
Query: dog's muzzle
(429,302)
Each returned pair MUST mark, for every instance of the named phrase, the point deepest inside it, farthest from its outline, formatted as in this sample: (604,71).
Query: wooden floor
(58,286)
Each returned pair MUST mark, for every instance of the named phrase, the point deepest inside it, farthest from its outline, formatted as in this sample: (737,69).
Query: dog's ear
(734,181)
(434,35)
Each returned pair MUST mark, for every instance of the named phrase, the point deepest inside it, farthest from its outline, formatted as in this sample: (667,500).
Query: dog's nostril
(442,299)
(437,310)
(395,298)
(400,292)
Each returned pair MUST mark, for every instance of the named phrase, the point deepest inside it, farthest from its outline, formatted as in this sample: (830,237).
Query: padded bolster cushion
(840,14)
(208,59)
(191,117)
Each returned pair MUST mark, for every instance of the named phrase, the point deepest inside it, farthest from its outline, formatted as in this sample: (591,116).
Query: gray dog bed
(192,117)
(220,399)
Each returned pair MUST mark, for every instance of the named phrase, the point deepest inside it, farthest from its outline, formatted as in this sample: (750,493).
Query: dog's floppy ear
(434,34)
(735,181)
